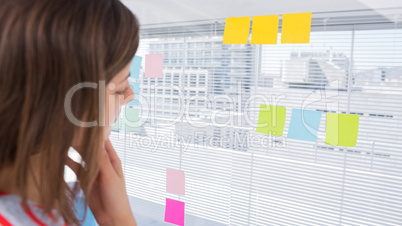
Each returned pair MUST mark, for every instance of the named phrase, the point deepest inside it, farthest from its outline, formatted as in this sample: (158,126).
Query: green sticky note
(237,30)
(342,129)
(131,119)
(271,120)
(296,28)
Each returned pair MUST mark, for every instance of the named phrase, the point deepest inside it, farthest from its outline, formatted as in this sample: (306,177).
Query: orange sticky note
(237,30)
(265,29)
(296,28)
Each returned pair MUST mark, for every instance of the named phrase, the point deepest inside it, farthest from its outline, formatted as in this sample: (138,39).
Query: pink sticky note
(174,212)
(175,182)
(153,65)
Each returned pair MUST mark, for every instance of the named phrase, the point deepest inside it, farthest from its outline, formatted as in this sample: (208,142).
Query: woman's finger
(114,158)
(106,168)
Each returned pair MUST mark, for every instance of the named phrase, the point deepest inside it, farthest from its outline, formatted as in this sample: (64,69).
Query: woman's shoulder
(12,212)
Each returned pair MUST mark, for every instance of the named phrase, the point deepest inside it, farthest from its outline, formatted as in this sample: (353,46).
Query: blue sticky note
(135,67)
(87,219)
(304,125)
(136,89)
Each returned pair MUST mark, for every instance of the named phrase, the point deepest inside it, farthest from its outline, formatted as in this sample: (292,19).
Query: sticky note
(271,120)
(135,67)
(154,65)
(265,29)
(80,208)
(131,119)
(237,30)
(296,28)
(136,89)
(174,212)
(175,182)
(304,125)
(342,129)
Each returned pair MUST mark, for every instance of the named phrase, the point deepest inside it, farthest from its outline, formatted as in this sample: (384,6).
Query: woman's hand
(108,199)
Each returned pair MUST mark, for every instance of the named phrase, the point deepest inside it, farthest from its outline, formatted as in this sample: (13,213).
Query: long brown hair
(47,47)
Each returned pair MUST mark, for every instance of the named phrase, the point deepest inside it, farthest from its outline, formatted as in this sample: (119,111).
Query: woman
(63,78)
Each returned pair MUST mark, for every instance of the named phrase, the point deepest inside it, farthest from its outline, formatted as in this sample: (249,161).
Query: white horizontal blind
(235,176)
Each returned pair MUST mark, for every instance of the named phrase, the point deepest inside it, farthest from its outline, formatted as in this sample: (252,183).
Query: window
(219,105)
(145,81)
(165,58)
(160,81)
(191,45)
(217,44)
(198,54)
(190,54)
(353,64)
(193,80)
(168,78)
(201,81)
(160,91)
(176,79)
(168,92)
(185,80)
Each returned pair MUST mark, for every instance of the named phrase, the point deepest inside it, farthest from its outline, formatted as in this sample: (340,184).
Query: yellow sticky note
(342,129)
(296,28)
(265,29)
(237,30)
(271,120)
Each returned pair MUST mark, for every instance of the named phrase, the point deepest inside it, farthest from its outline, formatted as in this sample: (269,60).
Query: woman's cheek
(118,106)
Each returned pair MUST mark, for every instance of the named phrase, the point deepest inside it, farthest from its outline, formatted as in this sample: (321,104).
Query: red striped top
(12,212)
